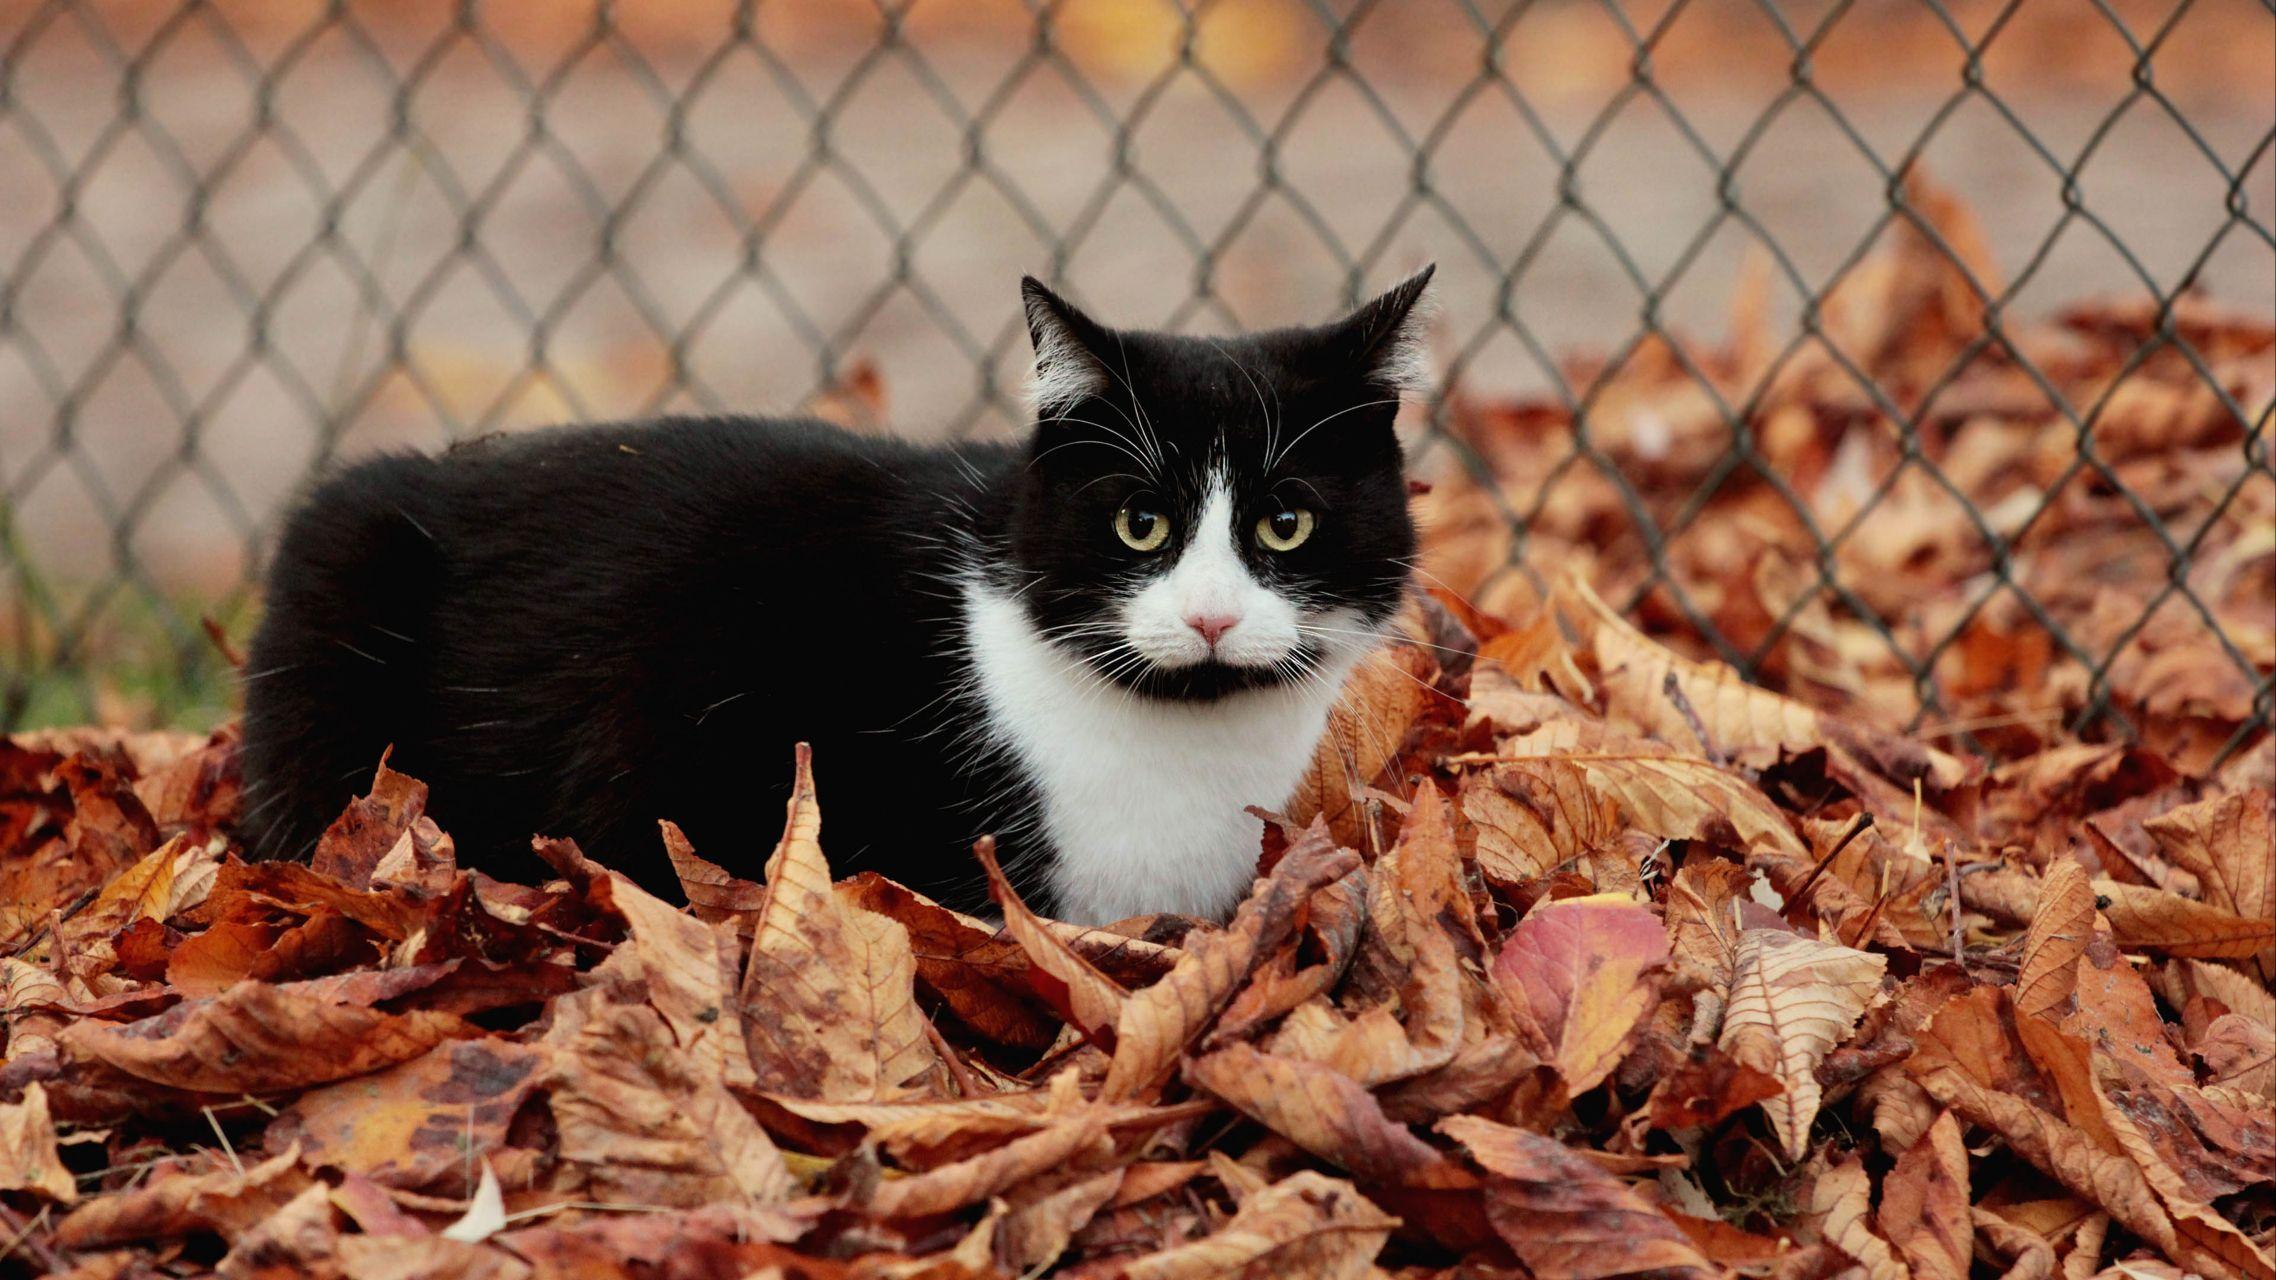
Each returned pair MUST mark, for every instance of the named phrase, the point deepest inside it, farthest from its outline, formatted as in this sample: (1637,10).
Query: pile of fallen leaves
(1575,955)
(2081,515)
(1617,965)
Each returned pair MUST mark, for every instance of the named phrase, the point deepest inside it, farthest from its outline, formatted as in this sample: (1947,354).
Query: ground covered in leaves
(1576,956)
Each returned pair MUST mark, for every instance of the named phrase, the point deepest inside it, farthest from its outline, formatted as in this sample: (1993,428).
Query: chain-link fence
(238,240)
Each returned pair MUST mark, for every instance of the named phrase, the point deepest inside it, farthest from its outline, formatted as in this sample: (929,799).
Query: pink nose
(1213,625)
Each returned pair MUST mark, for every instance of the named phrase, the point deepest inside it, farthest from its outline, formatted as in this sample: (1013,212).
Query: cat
(1100,644)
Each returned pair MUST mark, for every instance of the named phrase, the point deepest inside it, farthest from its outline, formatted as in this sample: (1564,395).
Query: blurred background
(242,239)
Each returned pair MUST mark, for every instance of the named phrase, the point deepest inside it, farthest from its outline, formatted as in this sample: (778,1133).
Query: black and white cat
(1100,644)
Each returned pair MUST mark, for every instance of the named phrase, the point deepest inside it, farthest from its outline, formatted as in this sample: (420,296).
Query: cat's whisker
(1135,441)
(1309,628)
(1145,425)
(1103,444)
(1291,445)
(1271,427)
(1111,475)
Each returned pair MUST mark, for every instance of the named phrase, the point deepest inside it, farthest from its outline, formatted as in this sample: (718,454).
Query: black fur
(581,631)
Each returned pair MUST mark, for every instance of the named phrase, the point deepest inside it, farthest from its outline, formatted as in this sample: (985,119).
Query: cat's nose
(1213,625)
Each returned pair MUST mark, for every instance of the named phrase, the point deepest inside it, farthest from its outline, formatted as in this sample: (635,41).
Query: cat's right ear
(1068,368)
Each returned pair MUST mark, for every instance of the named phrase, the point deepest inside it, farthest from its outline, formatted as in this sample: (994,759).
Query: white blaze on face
(1209,587)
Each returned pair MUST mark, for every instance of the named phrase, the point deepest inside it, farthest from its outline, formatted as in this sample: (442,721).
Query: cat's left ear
(1068,368)
(1385,338)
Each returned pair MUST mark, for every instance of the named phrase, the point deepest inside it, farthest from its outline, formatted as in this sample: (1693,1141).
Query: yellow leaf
(1585,974)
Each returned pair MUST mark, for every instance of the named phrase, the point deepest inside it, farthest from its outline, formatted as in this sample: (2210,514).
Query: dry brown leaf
(1087,998)
(369,828)
(1326,1113)
(1305,1225)
(304,1235)
(1306,970)
(417,1126)
(683,967)
(2229,844)
(2085,1256)
(1565,1217)
(2060,929)
(1504,698)
(2117,1013)
(2031,1258)
(1703,906)
(1675,700)
(1670,796)
(1792,1000)
(1965,1058)
(979,972)
(27,990)
(1536,816)
(1368,724)
(1902,1111)
(1038,1230)
(1924,1204)
(648,1127)
(427,1258)
(261,1038)
(1584,973)
(1706,1088)
(1839,1205)
(168,880)
(2208,1241)
(713,892)
(1073,1139)
(1158,1023)
(209,963)
(829,1006)
(227,1199)
(2239,1052)
(28,1159)
(2183,979)
(2155,920)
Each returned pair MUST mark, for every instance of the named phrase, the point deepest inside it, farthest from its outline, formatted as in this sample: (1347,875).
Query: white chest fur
(1142,799)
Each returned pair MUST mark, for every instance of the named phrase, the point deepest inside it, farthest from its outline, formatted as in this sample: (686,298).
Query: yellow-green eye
(1141,529)
(1285,530)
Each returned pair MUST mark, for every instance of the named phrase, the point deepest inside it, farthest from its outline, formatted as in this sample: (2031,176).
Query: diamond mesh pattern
(245,239)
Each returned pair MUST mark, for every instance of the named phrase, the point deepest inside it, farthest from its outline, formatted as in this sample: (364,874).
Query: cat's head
(1197,516)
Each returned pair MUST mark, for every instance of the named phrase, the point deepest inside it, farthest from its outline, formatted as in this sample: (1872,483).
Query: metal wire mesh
(238,241)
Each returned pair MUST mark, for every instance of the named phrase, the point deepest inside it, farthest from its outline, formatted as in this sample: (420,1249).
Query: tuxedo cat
(1100,644)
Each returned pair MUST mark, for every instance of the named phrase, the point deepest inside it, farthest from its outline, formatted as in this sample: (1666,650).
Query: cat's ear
(1385,338)
(1067,364)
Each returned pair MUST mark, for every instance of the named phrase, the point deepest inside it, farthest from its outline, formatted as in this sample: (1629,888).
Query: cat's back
(690,474)
(525,618)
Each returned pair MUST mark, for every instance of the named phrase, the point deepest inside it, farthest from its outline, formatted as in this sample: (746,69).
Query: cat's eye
(1285,530)
(1141,529)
